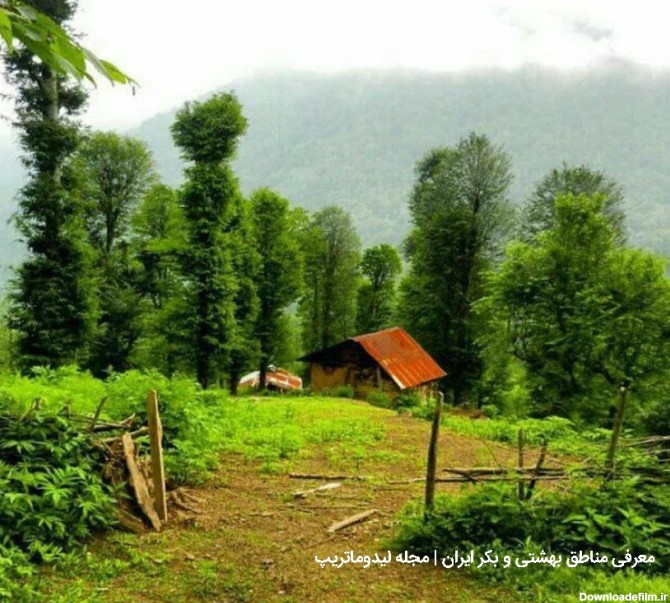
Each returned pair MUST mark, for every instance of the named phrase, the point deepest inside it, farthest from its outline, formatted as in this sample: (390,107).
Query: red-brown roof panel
(403,359)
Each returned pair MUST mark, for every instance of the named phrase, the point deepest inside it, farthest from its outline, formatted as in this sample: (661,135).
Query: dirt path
(256,542)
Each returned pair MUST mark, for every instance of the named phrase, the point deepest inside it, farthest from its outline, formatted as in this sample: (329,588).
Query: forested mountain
(352,139)
(11,177)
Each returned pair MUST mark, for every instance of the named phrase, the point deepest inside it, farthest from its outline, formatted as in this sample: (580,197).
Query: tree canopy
(460,217)
(380,269)
(46,39)
(332,255)
(539,211)
(582,313)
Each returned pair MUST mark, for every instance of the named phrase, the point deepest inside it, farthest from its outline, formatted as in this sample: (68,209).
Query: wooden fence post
(431,466)
(521,463)
(610,462)
(157,468)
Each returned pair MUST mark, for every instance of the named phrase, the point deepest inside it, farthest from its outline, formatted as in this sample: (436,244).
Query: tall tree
(158,241)
(243,349)
(332,256)
(114,173)
(461,216)
(585,315)
(539,211)
(380,267)
(53,303)
(207,133)
(280,276)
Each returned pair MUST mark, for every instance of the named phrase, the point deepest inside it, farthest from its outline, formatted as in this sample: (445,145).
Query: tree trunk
(234,383)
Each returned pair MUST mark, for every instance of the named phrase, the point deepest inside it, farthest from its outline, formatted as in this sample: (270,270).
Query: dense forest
(352,139)
(514,224)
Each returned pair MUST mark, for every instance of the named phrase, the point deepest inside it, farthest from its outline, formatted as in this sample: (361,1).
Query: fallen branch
(648,441)
(96,416)
(129,522)
(297,508)
(177,499)
(349,521)
(138,483)
(330,478)
(494,478)
(133,434)
(324,488)
(104,426)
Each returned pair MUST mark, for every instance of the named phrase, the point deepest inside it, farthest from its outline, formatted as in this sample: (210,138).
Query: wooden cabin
(390,361)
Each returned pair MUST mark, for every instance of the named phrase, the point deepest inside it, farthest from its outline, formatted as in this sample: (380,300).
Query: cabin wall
(362,379)
(374,379)
(329,377)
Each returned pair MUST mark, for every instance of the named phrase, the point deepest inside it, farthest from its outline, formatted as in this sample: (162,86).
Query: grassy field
(254,541)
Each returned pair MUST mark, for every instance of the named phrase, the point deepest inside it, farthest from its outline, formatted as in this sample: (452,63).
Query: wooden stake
(431,465)
(538,467)
(521,489)
(157,468)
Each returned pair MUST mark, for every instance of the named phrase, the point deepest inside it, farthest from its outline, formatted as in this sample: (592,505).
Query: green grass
(276,429)
(562,435)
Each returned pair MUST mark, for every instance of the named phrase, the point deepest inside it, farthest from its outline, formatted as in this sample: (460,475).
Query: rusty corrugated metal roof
(403,359)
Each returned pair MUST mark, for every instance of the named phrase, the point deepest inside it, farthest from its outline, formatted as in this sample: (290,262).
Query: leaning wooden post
(616,431)
(540,461)
(431,466)
(157,468)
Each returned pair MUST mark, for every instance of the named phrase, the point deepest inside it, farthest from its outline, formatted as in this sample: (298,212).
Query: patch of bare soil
(256,541)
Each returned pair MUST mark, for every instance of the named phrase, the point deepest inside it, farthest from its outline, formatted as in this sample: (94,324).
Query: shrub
(611,518)
(51,491)
(15,570)
(490,410)
(408,400)
(344,391)
(192,433)
(377,398)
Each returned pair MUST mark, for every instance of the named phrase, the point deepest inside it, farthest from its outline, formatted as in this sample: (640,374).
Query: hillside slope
(353,139)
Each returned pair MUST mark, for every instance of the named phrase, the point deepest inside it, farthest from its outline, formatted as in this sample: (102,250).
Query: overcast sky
(179,50)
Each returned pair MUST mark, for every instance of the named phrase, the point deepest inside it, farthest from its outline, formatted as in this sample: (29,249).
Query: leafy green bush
(192,430)
(344,391)
(612,518)
(377,398)
(408,400)
(51,491)
(15,570)
(490,410)
(51,496)
(54,388)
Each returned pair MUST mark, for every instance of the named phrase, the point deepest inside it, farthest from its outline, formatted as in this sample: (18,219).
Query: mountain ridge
(353,138)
